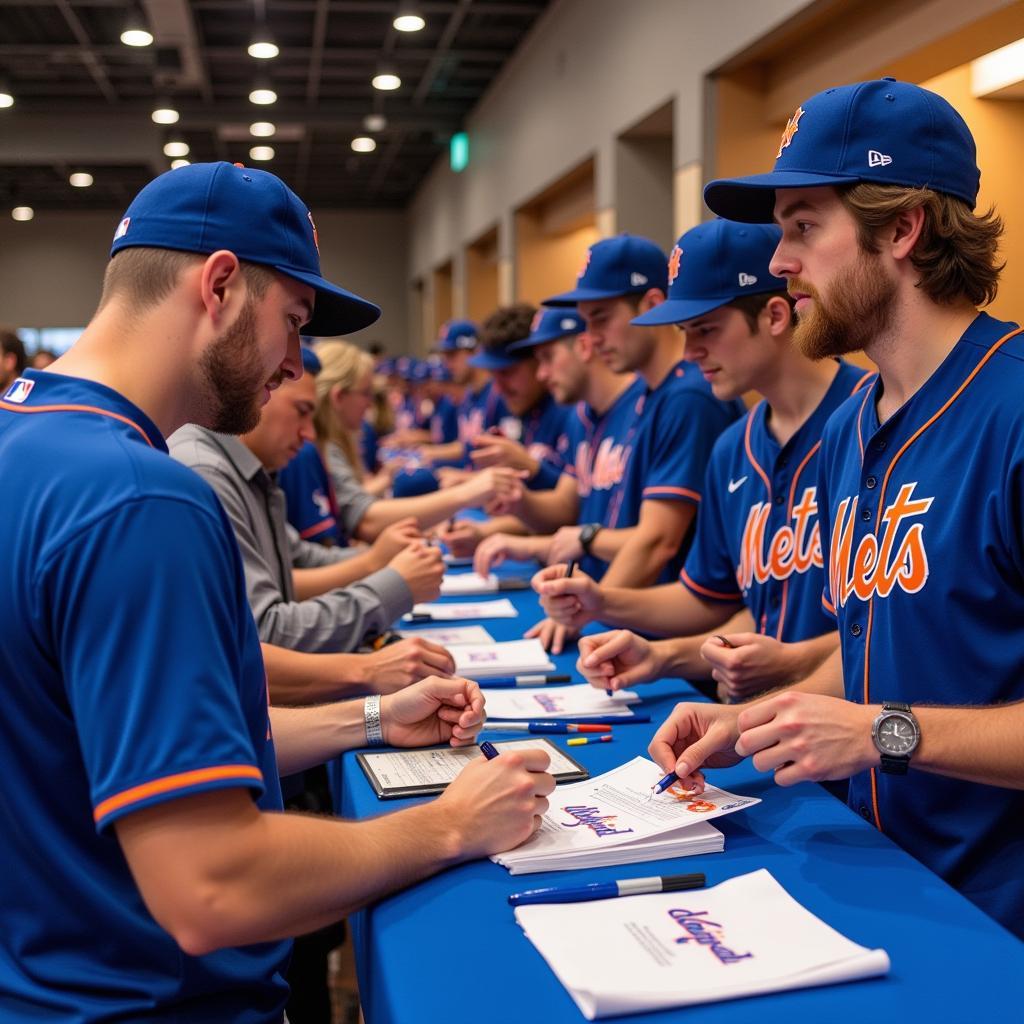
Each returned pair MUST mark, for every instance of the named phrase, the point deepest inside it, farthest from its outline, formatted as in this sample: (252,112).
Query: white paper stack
(452,636)
(457,561)
(513,657)
(580,701)
(612,820)
(503,608)
(744,937)
(463,584)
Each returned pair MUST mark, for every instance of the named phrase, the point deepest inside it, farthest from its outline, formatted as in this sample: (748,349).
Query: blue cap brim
(751,200)
(676,311)
(589,295)
(335,311)
(541,339)
(492,361)
(454,346)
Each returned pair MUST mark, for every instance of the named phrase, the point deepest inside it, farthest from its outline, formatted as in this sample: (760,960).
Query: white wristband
(371,718)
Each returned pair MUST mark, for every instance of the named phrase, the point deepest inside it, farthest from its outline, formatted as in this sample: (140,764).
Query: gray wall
(51,268)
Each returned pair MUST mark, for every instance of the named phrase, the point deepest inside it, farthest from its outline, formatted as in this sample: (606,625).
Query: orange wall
(481,280)
(548,263)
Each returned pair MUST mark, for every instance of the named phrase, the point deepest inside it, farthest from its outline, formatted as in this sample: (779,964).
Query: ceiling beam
(85,51)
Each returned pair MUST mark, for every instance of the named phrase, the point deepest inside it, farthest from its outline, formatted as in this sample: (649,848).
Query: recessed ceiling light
(363,144)
(22,213)
(261,153)
(262,93)
(408,18)
(375,122)
(165,113)
(175,164)
(136,30)
(176,147)
(80,179)
(262,45)
(262,129)
(386,80)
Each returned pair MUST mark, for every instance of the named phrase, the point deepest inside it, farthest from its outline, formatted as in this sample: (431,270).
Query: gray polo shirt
(335,621)
(352,498)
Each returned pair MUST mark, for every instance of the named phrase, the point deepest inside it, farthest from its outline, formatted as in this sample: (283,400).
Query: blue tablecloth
(449,949)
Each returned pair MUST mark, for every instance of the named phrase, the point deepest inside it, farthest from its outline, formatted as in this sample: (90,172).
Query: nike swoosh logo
(735,485)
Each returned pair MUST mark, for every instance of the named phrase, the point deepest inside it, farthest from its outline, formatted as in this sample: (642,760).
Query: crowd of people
(220,517)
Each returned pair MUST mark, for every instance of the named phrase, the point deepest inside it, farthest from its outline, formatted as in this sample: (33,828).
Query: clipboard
(396,774)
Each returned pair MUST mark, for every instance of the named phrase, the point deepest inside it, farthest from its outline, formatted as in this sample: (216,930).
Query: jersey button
(856,629)
(775,601)
(880,446)
(865,514)
(871,483)
(864,812)
(779,499)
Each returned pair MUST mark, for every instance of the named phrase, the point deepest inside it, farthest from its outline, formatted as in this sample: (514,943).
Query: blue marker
(608,890)
(489,750)
(511,682)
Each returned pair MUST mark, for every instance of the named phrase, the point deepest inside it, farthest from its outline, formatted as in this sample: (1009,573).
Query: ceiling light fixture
(262,45)
(262,93)
(408,18)
(386,80)
(364,144)
(175,164)
(136,30)
(176,147)
(22,213)
(80,179)
(261,153)
(375,122)
(6,96)
(165,112)
(262,129)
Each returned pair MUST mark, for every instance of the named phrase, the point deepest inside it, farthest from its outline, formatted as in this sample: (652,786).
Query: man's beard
(858,310)
(232,377)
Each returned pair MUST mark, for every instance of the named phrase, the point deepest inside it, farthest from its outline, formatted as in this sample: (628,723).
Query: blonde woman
(344,390)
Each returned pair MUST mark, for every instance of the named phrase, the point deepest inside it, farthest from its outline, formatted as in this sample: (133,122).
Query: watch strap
(587,535)
(895,705)
(894,765)
(372,722)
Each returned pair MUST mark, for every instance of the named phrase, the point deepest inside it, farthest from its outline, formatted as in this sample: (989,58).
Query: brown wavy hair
(956,254)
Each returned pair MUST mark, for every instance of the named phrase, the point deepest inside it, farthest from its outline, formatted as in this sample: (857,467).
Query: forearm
(295,678)
(377,484)
(547,511)
(311,583)
(974,744)
(453,451)
(639,560)
(503,524)
(809,655)
(429,509)
(669,610)
(826,679)
(306,737)
(608,543)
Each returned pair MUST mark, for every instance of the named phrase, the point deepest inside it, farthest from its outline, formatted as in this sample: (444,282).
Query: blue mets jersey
(596,458)
(368,443)
(444,421)
(922,520)
(479,411)
(669,447)
(132,675)
(542,434)
(758,539)
(309,496)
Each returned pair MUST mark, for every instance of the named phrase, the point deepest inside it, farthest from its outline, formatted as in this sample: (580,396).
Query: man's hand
(496,485)
(693,737)
(395,538)
(462,538)
(422,567)
(399,665)
(493,550)
(496,805)
(449,476)
(552,635)
(497,450)
(433,711)
(807,737)
(565,545)
(753,664)
(573,600)
(615,660)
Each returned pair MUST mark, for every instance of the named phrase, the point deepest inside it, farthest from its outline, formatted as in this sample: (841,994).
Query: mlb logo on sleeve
(19,391)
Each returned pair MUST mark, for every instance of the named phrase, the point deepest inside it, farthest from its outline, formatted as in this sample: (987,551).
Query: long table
(449,949)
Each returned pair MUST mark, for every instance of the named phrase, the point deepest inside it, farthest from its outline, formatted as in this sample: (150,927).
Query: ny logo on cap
(636,279)
(792,127)
(583,269)
(746,279)
(535,322)
(876,159)
(316,237)
(673,263)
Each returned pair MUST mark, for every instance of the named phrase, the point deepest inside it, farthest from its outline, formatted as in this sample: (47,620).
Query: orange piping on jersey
(172,782)
(682,491)
(828,605)
(78,408)
(878,519)
(860,416)
(750,455)
(684,576)
(312,531)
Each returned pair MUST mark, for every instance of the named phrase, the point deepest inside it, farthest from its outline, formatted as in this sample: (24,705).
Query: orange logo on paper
(673,263)
(316,237)
(792,127)
(583,269)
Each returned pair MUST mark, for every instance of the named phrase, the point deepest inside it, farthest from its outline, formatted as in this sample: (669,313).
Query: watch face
(897,734)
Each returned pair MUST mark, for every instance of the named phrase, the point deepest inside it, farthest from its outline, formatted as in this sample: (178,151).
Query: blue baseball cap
(711,265)
(550,325)
(624,265)
(499,356)
(884,131)
(205,207)
(310,361)
(456,334)
(414,481)
(420,371)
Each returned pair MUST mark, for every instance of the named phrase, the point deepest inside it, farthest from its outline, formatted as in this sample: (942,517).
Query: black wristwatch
(896,735)
(587,534)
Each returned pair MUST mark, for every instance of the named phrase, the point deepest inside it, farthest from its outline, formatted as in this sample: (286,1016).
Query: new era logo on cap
(19,391)
(636,280)
(876,159)
(568,324)
(746,280)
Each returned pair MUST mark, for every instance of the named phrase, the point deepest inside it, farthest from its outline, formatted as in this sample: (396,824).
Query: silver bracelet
(371,718)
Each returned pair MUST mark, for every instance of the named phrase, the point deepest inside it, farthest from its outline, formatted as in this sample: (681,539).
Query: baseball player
(757,546)
(920,490)
(149,872)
